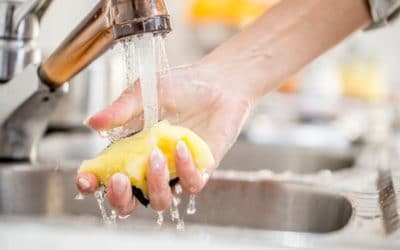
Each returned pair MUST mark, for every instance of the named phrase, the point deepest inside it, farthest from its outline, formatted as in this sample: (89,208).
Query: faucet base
(22,129)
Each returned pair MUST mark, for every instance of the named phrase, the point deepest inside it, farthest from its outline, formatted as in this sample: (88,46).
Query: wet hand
(201,107)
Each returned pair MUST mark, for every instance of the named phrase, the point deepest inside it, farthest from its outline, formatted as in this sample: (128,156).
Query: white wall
(60,19)
(385,43)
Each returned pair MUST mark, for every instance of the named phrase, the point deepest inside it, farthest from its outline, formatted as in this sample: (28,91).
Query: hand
(188,97)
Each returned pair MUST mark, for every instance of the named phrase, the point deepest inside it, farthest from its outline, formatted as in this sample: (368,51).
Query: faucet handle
(35,7)
(19,29)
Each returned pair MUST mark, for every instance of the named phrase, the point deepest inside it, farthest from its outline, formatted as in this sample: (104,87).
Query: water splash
(112,135)
(180,226)
(191,208)
(160,219)
(99,195)
(79,196)
(103,134)
(174,210)
(178,189)
(113,217)
(175,216)
(145,59)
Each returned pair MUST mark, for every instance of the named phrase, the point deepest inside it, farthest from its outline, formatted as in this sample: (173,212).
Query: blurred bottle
(363,74)
(236,13)
(217,20)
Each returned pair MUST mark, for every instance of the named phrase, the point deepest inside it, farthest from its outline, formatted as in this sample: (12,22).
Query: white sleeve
(383,12)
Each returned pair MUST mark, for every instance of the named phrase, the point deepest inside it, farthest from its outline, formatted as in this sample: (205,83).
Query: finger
(126,107)
(158,181)
(119,194)
(190,178)
(86,183)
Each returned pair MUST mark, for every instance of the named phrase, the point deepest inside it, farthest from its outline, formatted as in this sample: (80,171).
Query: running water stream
(145,58)
(147,69)
(151,60)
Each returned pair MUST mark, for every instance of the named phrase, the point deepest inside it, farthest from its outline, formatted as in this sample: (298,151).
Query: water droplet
(174,213)
(178,189)
(123,217)
(176,201)
(160,218)
(99,195)
(180,226)
(103,134)
(191,208)
(113,216)
(79,196)
(174,208)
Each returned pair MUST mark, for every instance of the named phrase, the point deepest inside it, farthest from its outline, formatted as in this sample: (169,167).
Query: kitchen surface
(315,166)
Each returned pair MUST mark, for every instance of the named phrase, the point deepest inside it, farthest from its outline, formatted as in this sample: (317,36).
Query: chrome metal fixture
(19,29)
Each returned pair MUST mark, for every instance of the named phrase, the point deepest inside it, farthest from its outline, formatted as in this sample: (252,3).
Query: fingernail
(157,160)
(182,150)
(120,184)
(83,183)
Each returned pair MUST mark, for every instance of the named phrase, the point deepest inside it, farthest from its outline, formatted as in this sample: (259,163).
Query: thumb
(125,108)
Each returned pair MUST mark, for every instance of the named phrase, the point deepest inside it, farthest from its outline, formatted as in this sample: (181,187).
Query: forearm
(284,40)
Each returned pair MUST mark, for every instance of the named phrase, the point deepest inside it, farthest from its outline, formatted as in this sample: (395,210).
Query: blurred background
(344,98)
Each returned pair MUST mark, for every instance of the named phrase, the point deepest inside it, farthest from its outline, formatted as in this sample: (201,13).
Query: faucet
(19,29)
(109,21)
(23,120)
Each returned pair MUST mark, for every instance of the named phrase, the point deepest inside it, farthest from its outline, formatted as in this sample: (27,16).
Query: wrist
(285,39)
(236,77)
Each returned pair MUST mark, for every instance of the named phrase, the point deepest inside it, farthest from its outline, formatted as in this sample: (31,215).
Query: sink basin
(262,204)
(246,156)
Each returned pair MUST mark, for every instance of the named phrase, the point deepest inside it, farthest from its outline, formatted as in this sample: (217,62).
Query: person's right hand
(190,98)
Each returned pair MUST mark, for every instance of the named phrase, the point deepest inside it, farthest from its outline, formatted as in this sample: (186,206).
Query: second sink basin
(246,156)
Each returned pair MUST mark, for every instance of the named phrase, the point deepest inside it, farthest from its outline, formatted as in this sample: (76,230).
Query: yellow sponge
(130,156)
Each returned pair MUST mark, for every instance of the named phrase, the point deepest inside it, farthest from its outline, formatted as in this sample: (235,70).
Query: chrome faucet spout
(110,21)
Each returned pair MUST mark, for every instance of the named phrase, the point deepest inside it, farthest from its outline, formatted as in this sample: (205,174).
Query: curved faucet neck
(109,21)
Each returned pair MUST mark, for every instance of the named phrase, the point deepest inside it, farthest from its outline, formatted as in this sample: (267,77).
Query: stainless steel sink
(246,156)
(257,204)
